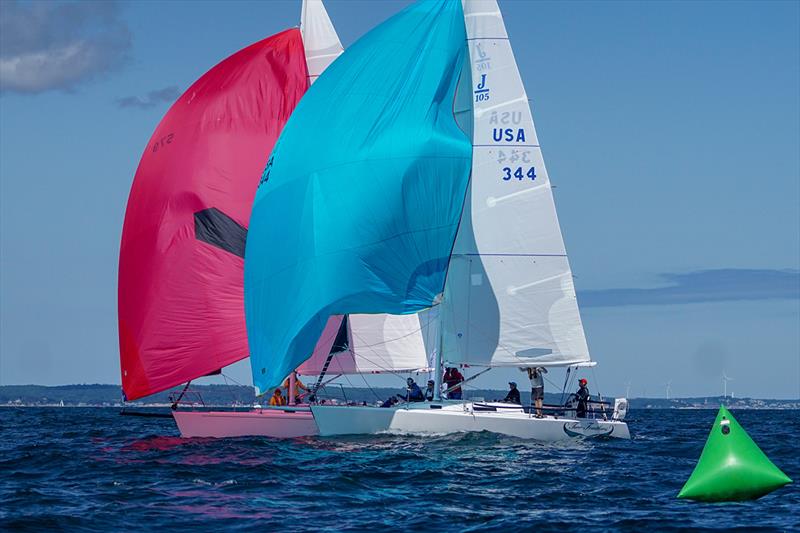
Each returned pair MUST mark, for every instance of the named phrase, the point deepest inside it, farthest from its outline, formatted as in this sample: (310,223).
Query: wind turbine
(669,384)
(628,390)
(725,380)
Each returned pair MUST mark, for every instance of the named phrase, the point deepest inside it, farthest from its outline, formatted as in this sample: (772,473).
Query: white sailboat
(509,298)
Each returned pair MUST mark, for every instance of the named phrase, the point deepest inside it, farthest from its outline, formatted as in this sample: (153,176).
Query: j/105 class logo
(481,91)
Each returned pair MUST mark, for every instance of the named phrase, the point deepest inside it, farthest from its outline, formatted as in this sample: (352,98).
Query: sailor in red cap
(583,397)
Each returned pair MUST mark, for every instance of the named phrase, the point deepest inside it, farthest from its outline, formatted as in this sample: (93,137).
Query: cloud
(58,45)
(151,99)
(703,286)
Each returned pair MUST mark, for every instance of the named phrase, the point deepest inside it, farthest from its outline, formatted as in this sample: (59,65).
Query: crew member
(277,398)
(413,392)
(536,375)
(298,386)
(513,394)
(583,398)
(429,391)
(453,377)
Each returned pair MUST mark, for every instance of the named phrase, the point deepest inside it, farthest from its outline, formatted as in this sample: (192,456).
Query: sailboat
(181,313)
(426,195)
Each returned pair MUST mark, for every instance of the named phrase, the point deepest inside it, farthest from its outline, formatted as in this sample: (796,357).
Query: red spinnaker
(181,310)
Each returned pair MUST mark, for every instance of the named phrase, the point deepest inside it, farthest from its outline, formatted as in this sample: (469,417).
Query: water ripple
(92,470)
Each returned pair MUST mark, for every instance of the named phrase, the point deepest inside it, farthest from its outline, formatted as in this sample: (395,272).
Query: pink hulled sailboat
(181,311)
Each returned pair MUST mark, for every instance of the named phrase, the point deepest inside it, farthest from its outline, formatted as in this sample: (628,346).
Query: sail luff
(509,300)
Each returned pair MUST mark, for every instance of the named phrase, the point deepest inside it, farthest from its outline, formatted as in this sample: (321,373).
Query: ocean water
(91,469)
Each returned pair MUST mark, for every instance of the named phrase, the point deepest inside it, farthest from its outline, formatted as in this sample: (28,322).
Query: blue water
(90,469)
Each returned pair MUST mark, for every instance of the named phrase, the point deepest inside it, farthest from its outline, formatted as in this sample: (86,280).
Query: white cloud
(56,46)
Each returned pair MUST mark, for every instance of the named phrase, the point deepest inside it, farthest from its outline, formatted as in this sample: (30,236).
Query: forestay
(510,299)
(358,208)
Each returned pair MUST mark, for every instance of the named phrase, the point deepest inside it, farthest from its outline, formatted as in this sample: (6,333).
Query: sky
(671,131)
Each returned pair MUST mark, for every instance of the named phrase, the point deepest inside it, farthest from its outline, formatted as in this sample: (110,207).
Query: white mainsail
(509,299)
(320,40)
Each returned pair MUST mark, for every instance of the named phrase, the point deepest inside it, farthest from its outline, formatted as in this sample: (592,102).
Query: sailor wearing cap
(583,397)
(513,394)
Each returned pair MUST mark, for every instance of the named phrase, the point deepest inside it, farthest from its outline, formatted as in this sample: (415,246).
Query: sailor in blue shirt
(413,392)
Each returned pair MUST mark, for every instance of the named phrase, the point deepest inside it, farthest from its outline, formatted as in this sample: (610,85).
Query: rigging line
(322,374)
(364,378)
(599,394)
(226,378)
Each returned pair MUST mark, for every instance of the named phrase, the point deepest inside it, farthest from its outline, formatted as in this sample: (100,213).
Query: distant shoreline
(240,396)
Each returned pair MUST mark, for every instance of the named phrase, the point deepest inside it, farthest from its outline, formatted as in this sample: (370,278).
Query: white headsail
(319,38)
(376,344)
(509,298)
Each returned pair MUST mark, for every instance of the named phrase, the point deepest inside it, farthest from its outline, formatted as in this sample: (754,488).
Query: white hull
(277,423)
(460,417)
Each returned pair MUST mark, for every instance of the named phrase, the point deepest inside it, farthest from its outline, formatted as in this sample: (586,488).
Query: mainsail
(182,252)
(509,299)
(358,207)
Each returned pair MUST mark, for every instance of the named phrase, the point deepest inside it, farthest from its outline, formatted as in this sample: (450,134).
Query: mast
(437,368)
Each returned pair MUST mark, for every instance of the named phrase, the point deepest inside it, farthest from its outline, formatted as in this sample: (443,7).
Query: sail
(374,344)
(510,299)
(319,38)
(358,207)
(182,252)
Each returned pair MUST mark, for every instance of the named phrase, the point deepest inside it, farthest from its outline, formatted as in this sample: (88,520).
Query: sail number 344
(519,173)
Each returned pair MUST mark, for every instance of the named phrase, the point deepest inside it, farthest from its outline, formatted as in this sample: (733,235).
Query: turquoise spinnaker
(358,208)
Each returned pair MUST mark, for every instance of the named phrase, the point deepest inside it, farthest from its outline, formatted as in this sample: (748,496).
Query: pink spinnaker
(181,312)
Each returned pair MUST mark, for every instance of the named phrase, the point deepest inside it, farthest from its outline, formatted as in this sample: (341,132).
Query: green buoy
(732,467)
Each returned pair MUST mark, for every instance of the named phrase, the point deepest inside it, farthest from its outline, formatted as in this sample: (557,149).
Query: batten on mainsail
(509,299)
(320,40)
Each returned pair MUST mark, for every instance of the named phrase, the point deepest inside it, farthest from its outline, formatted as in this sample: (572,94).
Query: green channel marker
(732,467)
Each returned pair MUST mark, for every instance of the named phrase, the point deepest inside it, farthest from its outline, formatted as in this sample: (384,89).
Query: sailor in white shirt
(535,374)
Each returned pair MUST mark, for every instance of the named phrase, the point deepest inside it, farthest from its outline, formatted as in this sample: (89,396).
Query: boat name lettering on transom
(483,61)
(163,142)
(506,117)
(508,135)
(481,90)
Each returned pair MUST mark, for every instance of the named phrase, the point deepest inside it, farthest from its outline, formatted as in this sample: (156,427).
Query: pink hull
(266,423)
